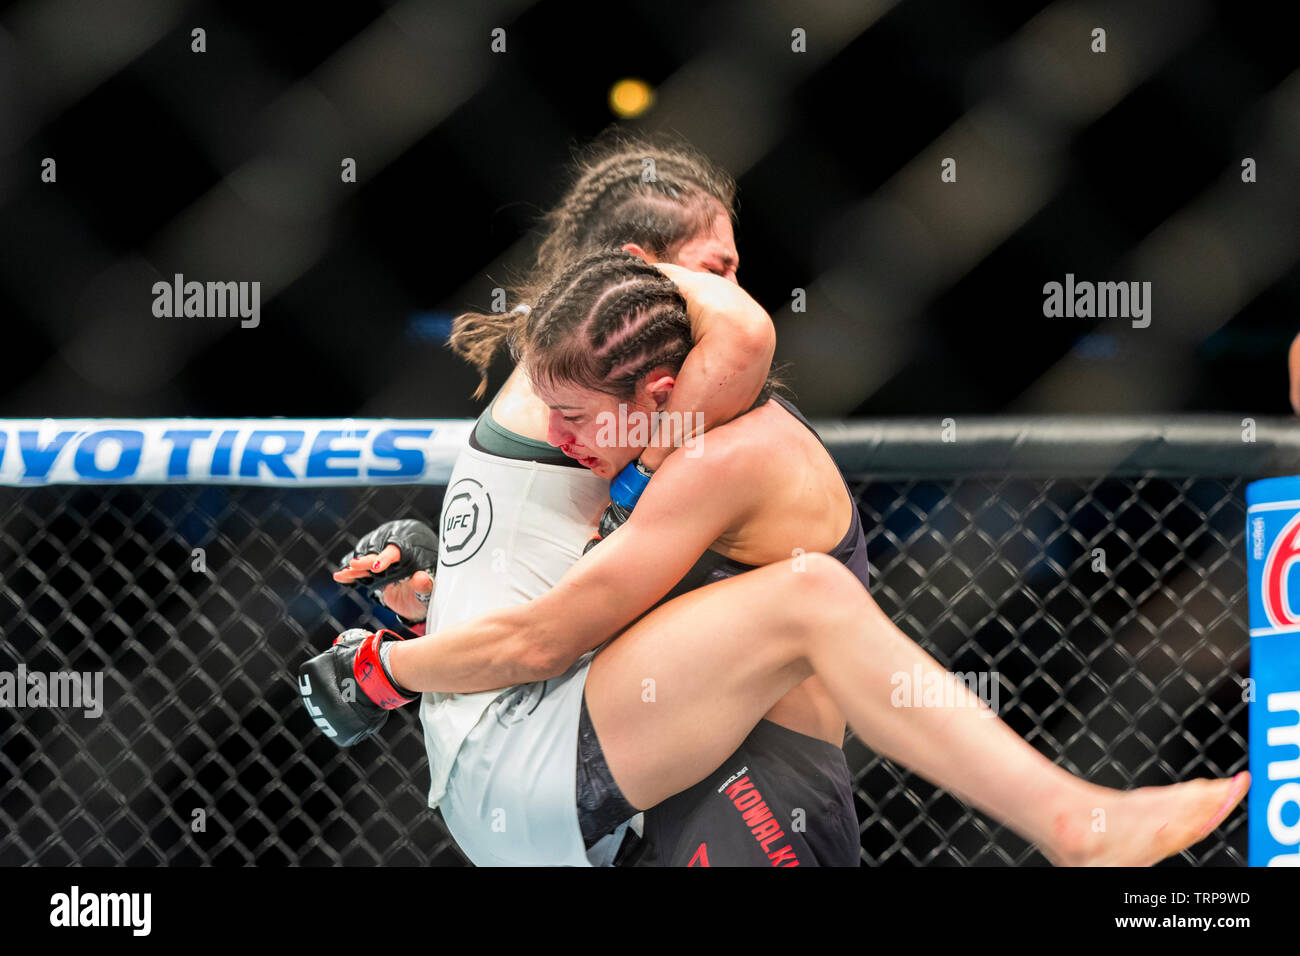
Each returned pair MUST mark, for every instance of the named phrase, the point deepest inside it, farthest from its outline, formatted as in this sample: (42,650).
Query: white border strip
(1274,506)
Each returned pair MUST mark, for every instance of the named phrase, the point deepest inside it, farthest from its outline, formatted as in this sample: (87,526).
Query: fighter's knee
(825,578)
(821,590)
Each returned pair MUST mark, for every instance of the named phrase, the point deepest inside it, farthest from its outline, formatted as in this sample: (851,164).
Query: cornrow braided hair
(604,324)
(655,191)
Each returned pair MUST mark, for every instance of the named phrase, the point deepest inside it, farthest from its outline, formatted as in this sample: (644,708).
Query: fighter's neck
(518,409)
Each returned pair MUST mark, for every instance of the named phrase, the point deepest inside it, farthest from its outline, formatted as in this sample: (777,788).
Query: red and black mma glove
(624,491)
(419,546)
(348,690)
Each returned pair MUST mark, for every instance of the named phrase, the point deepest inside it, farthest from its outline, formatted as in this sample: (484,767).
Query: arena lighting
(629,98)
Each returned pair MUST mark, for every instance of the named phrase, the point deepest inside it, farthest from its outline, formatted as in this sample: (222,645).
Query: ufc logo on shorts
(519,703)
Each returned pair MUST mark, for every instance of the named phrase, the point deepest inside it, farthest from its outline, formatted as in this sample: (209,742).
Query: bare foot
(1141,827)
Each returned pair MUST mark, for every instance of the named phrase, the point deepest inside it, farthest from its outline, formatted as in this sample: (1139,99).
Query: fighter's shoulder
(749,438)
(730,453)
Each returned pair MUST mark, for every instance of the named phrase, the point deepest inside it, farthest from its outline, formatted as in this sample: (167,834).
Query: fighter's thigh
(678,691)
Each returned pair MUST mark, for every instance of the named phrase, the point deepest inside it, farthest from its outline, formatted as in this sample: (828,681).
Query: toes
(1229,796)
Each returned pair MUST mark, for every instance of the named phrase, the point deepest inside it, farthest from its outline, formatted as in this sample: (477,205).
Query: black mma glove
(613,516)
(347,690)
(418,544)
(624,490)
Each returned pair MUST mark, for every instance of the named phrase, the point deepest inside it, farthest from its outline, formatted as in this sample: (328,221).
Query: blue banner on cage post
(1273,573)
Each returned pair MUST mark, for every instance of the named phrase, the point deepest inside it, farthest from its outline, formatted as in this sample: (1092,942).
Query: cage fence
(1096,577)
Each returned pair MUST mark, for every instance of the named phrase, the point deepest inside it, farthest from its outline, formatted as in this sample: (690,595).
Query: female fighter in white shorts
(681,214)
(684,684)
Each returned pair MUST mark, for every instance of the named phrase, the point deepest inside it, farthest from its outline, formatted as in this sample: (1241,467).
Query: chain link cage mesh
(1112,612)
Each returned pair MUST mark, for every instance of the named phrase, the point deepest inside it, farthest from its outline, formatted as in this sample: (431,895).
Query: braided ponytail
(478,336)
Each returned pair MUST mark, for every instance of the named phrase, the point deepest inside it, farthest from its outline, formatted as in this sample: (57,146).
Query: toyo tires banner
(1273,566)
(238,451)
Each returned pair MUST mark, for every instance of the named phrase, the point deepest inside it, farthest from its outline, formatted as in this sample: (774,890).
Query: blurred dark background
(923,297)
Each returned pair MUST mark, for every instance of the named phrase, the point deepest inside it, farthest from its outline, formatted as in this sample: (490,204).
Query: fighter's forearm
(716,384)
(725,370)
(489,652)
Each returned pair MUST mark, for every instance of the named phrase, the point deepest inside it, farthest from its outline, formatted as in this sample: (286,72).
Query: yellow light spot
(631,97)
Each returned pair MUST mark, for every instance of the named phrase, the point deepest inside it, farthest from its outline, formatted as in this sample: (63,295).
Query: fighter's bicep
(640,562)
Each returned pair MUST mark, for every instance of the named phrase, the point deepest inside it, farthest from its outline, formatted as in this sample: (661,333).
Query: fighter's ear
(659,387)
(637,251)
